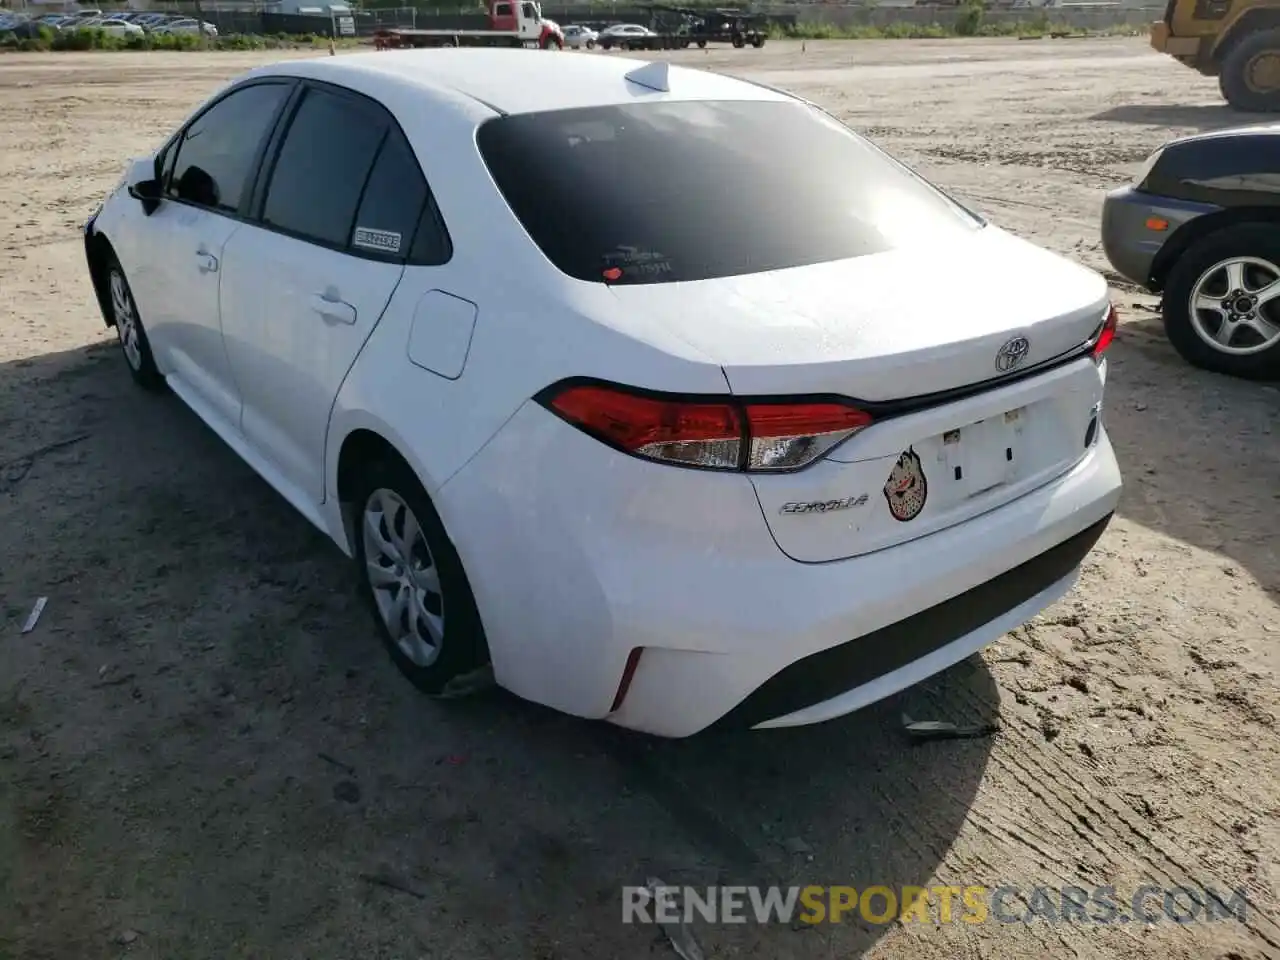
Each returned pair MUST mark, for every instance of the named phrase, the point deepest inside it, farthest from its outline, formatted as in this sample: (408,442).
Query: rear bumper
(579,555)
(835,681)
(1131,233)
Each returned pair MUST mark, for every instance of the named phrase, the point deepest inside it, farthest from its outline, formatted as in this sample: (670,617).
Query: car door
(530,22)
(176,275)
(305,285)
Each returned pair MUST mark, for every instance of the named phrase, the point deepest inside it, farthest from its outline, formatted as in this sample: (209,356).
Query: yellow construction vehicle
(1238,41)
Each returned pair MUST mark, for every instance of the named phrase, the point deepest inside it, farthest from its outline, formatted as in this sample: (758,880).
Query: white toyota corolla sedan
(771,431)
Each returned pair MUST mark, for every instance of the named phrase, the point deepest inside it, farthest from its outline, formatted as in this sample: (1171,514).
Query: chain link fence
(246,19)
(840,14)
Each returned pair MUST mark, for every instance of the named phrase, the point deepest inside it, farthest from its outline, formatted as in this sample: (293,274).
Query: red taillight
(1107,334)
(783,436)
(716,434)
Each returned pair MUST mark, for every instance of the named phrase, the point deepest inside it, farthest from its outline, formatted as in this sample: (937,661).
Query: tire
(702,44)
(443,653)
(132,336)
(758,42)
(739,43)
(591,44)
(1248,254)
(1239,77)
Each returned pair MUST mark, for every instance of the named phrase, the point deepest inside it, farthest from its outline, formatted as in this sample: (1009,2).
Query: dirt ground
(205,754)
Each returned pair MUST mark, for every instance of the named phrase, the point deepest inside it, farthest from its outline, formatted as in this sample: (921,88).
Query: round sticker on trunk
(906,489)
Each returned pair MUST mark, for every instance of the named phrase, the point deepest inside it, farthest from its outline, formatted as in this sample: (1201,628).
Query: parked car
(618,35)
(115,27)
(187,26)
(744,469)
(149,21)
(577,36)
(1199,226)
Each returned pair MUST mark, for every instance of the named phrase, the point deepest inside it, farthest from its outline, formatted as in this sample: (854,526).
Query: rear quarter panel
(533,326)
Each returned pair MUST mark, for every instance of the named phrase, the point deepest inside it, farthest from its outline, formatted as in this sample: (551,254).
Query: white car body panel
(823,329)
(1047,440)
(578,554)
(294,318)
(649,556)
(181,244)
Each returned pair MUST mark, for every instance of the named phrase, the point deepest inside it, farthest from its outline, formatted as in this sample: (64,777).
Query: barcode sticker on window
(384,241)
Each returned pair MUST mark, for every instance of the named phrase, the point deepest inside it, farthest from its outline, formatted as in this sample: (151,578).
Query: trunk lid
(900,325)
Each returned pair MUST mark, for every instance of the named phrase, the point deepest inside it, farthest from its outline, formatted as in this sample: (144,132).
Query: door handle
(208,262)
(332,309)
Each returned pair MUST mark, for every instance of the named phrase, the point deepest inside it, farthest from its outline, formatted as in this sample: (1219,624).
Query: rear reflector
(1106,333)
(718,434)
(628,674)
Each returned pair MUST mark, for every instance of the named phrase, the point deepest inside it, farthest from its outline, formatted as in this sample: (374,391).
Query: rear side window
(322,167)
(691,190)
(393,201)
(216,153)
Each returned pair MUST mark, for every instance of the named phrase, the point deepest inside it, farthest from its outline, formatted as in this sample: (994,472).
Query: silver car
(577,36)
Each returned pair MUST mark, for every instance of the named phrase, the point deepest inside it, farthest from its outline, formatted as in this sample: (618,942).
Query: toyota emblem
(1011,355)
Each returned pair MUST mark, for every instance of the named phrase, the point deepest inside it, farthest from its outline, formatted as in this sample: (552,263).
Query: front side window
(216,154)
(322,167)
(692,190)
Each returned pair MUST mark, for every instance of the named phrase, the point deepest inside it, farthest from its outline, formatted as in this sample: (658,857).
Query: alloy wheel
(126,318)
(403,576)
(1234,306)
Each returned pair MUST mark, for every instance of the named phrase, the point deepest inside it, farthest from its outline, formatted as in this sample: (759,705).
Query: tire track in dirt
(1081,807)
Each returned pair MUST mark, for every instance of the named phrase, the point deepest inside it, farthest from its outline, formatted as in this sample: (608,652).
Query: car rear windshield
(692,190)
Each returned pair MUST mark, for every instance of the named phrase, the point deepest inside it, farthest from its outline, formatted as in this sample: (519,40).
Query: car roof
(516,81)
(1231,133)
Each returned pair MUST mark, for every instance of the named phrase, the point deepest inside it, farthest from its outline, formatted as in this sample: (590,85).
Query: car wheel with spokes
(414,582)
(129,329)
(1222,303)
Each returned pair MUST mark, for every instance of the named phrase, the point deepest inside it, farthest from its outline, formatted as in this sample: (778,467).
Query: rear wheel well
(1252,22)
(1194,230)
(99,253)
(359,449)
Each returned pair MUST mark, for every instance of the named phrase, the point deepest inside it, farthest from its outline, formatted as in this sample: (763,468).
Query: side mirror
(147,192)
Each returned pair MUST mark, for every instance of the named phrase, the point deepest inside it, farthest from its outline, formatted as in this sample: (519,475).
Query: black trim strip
(837,670)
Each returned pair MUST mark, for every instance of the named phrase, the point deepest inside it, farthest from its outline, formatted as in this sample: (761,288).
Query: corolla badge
(824,506)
